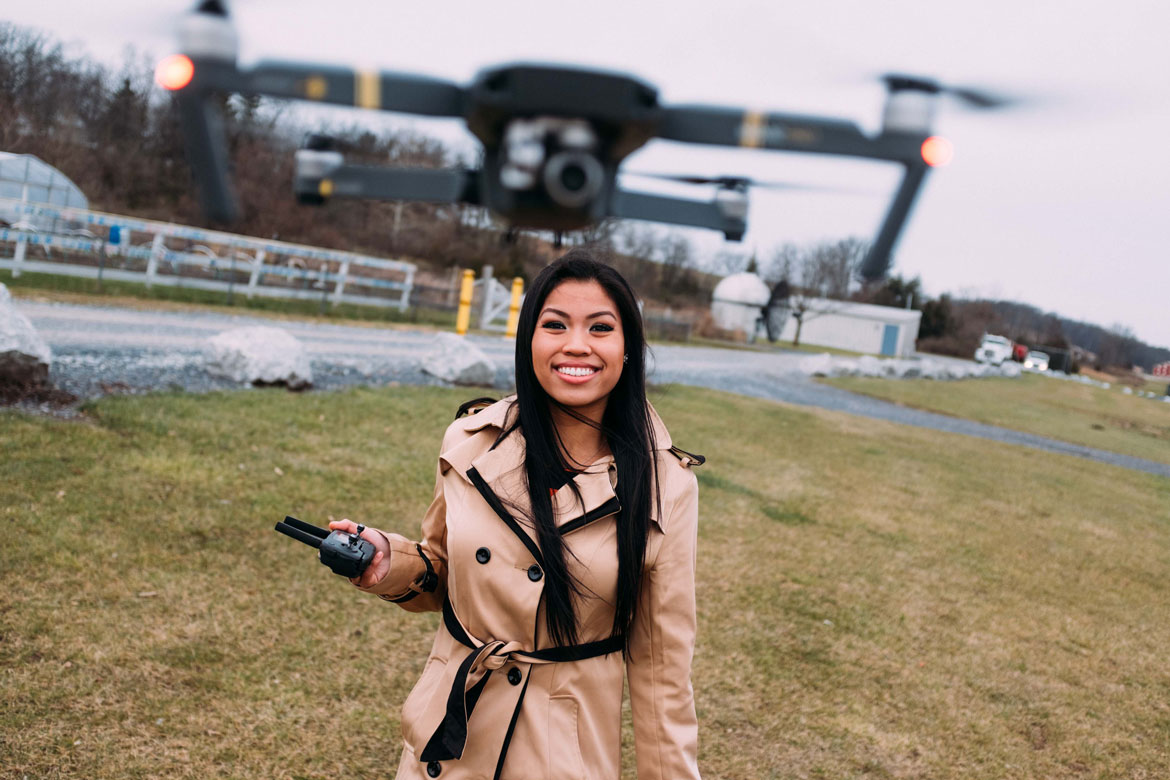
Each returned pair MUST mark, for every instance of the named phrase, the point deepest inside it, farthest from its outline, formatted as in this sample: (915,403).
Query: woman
(560,547)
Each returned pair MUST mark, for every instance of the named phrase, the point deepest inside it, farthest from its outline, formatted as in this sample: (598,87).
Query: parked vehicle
(1036,360)
(994,350)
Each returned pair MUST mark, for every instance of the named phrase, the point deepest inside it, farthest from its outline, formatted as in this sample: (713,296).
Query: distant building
(1162,369)
(27,177)
(858,327)
(738,301)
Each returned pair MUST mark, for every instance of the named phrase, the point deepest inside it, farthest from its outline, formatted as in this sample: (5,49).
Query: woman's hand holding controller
(380,565)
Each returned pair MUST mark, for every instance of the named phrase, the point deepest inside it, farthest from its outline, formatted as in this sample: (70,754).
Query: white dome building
(31,178)
(737,302)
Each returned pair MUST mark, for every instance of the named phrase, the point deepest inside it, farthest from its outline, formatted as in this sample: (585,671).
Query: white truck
(994,350)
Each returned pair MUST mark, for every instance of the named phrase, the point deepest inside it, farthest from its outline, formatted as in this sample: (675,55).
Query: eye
(601,327)
(552,325)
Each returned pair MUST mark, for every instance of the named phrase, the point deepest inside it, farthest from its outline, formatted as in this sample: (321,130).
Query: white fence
(111,246)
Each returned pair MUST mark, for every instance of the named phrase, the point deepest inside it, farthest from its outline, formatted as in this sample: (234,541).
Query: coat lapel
(499,463)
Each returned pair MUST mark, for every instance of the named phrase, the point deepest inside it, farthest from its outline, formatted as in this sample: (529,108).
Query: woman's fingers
(343,524)
(371,575)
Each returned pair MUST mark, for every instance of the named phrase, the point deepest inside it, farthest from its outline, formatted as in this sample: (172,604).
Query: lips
(577,373)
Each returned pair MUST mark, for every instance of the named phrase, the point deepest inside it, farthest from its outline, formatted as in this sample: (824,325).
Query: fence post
(18,254)
(463,318)
(514,308)
(157,247)
(486,300)
(404,299)
(22,235)
(254,279)
(339,285)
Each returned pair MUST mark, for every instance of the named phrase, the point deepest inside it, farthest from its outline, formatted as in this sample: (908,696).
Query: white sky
(1060,204)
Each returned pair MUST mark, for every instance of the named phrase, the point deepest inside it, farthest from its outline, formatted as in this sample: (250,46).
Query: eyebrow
(558,312)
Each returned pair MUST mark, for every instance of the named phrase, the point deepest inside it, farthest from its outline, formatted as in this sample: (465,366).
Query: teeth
(574,371)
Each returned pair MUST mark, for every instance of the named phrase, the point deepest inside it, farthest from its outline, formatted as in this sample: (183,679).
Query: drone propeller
(971,96)
(743,182)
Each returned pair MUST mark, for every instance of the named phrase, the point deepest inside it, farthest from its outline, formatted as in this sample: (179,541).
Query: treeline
(952,326)
(116,135)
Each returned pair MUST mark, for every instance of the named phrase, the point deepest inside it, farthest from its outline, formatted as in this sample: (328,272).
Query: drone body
(553,137)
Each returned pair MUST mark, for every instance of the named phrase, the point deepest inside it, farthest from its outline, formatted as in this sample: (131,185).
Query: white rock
(1010,370)
(1127,390)
(24,355)
(455,359)
(868,365)
(259,354)
(17,334)
(817,365)
(932,369)
(844,367)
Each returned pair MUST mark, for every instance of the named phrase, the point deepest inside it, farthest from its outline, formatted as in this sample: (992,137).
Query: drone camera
(559,154)
(573,179)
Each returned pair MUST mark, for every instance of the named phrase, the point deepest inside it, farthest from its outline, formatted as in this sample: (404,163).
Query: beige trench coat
(531,717)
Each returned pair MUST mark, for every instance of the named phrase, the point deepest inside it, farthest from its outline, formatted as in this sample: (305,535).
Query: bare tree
(728,262)
(809,275)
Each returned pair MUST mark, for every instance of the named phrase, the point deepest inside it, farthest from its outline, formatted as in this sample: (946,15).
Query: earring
(625,358)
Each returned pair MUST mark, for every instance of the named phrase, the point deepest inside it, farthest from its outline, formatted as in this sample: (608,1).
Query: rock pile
(259,355)
(456,360)
(924,368)
(24,360)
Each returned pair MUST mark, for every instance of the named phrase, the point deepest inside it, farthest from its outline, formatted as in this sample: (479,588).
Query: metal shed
(858,327)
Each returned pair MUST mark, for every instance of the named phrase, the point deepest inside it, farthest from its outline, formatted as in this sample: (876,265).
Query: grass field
(875,601)
(1069,411)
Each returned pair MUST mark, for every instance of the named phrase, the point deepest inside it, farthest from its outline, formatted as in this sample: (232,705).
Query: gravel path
(102,350)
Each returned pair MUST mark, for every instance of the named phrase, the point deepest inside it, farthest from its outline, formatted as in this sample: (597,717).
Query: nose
(577,343)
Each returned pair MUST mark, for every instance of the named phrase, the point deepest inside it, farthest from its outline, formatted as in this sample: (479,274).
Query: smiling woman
(560,548)
(578,352)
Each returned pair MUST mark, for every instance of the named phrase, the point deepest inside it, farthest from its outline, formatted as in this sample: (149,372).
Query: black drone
(553,137)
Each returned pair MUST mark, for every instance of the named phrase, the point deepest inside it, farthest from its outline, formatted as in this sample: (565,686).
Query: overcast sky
(1062,204)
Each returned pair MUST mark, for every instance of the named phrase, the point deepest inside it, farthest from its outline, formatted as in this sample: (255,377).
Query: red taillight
(175,72)
(937,151)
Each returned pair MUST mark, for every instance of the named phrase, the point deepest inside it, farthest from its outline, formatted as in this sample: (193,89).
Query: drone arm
(361,181)
(386,90)
(719,126)
(677,211)
(877,259)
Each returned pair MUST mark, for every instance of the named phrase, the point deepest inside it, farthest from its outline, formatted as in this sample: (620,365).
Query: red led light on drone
(937,151)
(175,72)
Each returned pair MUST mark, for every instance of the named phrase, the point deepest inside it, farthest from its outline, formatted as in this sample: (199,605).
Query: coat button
(433,769)
(483,555)
(514,676)
(534,573)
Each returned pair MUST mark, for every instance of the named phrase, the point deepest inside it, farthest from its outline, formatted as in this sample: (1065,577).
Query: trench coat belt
(450,737)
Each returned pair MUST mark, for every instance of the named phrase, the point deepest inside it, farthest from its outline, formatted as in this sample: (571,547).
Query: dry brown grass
(1107,419)
(875,601)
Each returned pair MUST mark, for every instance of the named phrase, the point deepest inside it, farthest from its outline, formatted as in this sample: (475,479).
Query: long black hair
(627,428)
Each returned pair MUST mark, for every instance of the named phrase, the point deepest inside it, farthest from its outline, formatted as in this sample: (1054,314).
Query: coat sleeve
(408,583)
(662,646)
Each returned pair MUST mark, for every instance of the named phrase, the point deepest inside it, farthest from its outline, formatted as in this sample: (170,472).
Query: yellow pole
(463,318)
(514,308)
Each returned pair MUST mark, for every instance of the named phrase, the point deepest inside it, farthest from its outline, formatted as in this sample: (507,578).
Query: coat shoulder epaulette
(474,406)
(688,459)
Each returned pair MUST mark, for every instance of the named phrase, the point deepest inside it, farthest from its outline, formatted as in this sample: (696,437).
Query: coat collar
(500,462)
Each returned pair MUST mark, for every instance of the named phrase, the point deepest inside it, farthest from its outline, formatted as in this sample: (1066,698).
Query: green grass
(110,293)
(875,601)
(1034,403)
